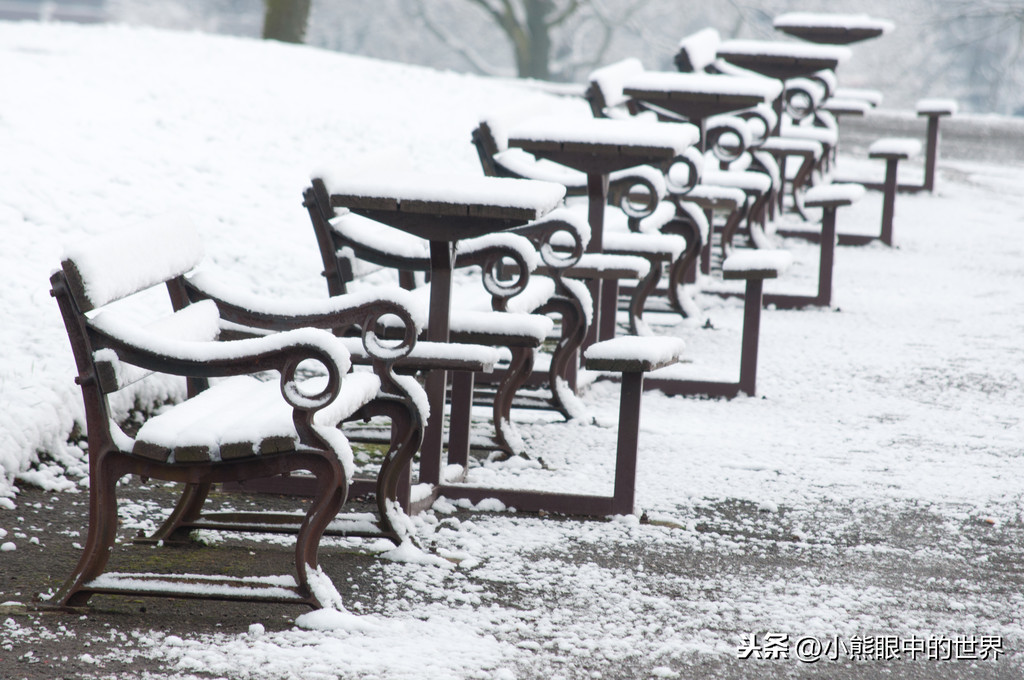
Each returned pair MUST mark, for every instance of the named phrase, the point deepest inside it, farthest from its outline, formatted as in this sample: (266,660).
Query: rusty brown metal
(328,485)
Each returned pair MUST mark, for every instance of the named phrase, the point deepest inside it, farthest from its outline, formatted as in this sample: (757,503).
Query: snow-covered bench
(752,267)
(933,110)
(637,223)
(829,28)
(509,310)
(625,88)
(238,428)
(892,150)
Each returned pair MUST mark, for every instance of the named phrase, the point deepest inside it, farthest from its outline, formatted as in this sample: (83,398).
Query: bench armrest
(833,195)
(756,264)
(282,352)
(364,310)
(560,237)
(898,148)
(633,354)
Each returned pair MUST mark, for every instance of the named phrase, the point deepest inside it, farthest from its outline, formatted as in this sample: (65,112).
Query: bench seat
(756,264)
(217,424)
(900,148)
(633,354)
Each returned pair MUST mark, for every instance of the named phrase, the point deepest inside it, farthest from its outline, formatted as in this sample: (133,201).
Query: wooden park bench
(509,310)
(625,88)
(636,224)
(244,426)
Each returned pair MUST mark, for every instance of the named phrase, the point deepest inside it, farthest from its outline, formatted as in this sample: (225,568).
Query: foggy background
(969,51)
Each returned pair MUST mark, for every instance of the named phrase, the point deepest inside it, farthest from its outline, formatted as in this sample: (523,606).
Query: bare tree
(549,39)
(983,45)
(286,20)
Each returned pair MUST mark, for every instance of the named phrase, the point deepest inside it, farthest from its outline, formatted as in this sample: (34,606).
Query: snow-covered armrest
(604,266)
(560,237)
(756,264)
(847,106)
(833,195)
(281,352)
(937,107)
(873,98)
(367,310)
(899,148)
(633,354)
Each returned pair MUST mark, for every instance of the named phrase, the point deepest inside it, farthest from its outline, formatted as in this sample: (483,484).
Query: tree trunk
(534,59)
(285,20)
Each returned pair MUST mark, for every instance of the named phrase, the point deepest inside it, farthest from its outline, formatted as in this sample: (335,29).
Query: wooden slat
(191,454)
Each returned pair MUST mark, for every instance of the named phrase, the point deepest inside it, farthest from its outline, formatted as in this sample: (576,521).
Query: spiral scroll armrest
(804,96)
(637,191)
(684,171)
(282,352)
(506,261)
(362,309)
(560,238)
(393,321)
(728,137)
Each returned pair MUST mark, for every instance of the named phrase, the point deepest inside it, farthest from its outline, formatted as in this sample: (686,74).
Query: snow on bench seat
(705,83)
(757,182)
(818,134)
(847,106)
(793,145)
(668,246)
(786,50)
(430,355)
(894,147)
(218,424)
(460,194)
(504,327)
(625,133)
(756,264)
(938,107)
(716,196)
(606,266)
(826,195)
(829,20)
(632,354)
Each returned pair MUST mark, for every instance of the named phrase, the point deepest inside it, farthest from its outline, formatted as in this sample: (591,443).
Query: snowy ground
(872,488)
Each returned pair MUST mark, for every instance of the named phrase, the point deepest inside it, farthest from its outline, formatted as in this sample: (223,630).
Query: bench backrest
(112,266)
(698,51)
(606,83)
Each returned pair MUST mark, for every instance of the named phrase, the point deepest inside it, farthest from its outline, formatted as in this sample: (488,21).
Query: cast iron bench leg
(889,200)
(751,335)
(626,447)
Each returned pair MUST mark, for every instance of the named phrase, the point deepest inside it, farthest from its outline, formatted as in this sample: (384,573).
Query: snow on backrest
(609,80)
(698,51)
(362,231)
(114,265)
(502,121)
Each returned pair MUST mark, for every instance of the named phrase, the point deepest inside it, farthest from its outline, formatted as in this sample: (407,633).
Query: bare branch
(472,58)
(567,12)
